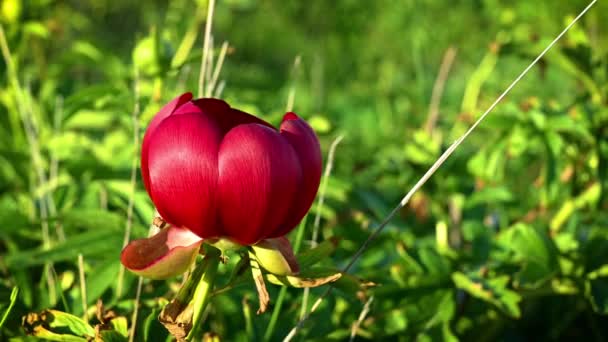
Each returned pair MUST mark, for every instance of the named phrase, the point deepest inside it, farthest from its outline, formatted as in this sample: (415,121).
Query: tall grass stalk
(140,282)
(206,47)
(438,87)
(295,72)
(54,167)
(25,114)
(317,222)
(132,185)
(152,230)
(83,287)
(217,70)
(220,89)
(444,156)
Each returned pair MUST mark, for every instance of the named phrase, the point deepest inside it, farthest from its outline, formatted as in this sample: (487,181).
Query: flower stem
(203,289)
(279,304)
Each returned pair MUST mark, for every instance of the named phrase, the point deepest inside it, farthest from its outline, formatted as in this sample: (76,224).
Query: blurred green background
(508,241)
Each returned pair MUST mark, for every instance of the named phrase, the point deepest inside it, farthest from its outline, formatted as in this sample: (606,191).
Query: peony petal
(164,112)
(182,158)
(225,117)
(166,254)
(258,178)
(306,145)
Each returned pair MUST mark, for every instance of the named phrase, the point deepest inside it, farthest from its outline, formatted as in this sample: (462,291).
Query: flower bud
(223,173)
(276,256)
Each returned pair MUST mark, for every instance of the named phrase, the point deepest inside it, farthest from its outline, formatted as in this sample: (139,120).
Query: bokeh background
(508,241)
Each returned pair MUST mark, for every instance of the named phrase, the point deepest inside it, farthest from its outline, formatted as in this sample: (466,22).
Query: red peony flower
(222,173)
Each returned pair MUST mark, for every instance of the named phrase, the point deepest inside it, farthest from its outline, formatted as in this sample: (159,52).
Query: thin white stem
(442,76)
(129,222)
(323,190)
(291,97)
(431,171)
(103,197)
(217,69)
(210,64)
(220,89)
(54,167)
(140,282)
(135,309)
(317,223)
(204,58)
(83,287)
(362,315)
(57,117)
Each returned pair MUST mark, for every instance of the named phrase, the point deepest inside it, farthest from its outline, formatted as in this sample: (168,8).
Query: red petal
(183,172)
(225,117)
(164,112)
(306,145)
(164,255)
(258,178)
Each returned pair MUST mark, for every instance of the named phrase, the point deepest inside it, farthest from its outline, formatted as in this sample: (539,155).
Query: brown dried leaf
(309,278)
(177,319)
(260,285)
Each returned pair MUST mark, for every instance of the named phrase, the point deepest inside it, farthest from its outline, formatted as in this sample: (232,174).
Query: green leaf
(598,294)
(185,46)
(12,219)
(317,254)
(111,336)
(36,28)
(93,219)
(476,82)
(13,299)
(120,325)
(98,242)
(91,119)
(422,149)
(566,124)
(101,279)
(494,195)
(435,263)
(589,197)
(493,291)
(115,331)
(441,332)
(395,321)
(152,329)
(537,253)
(85,49)
(57,326)
(58,319)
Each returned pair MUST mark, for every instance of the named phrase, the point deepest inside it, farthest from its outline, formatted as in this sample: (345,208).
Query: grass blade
(13,299)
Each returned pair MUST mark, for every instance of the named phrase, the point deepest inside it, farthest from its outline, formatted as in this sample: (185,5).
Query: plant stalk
(203,289)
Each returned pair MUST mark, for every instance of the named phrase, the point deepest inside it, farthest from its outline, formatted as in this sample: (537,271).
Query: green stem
(249,328)
(277,307)
(300,235)
(185,293)
(203,289)
(275,314)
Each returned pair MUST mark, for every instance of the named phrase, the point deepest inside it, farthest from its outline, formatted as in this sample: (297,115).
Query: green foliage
(508,241)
